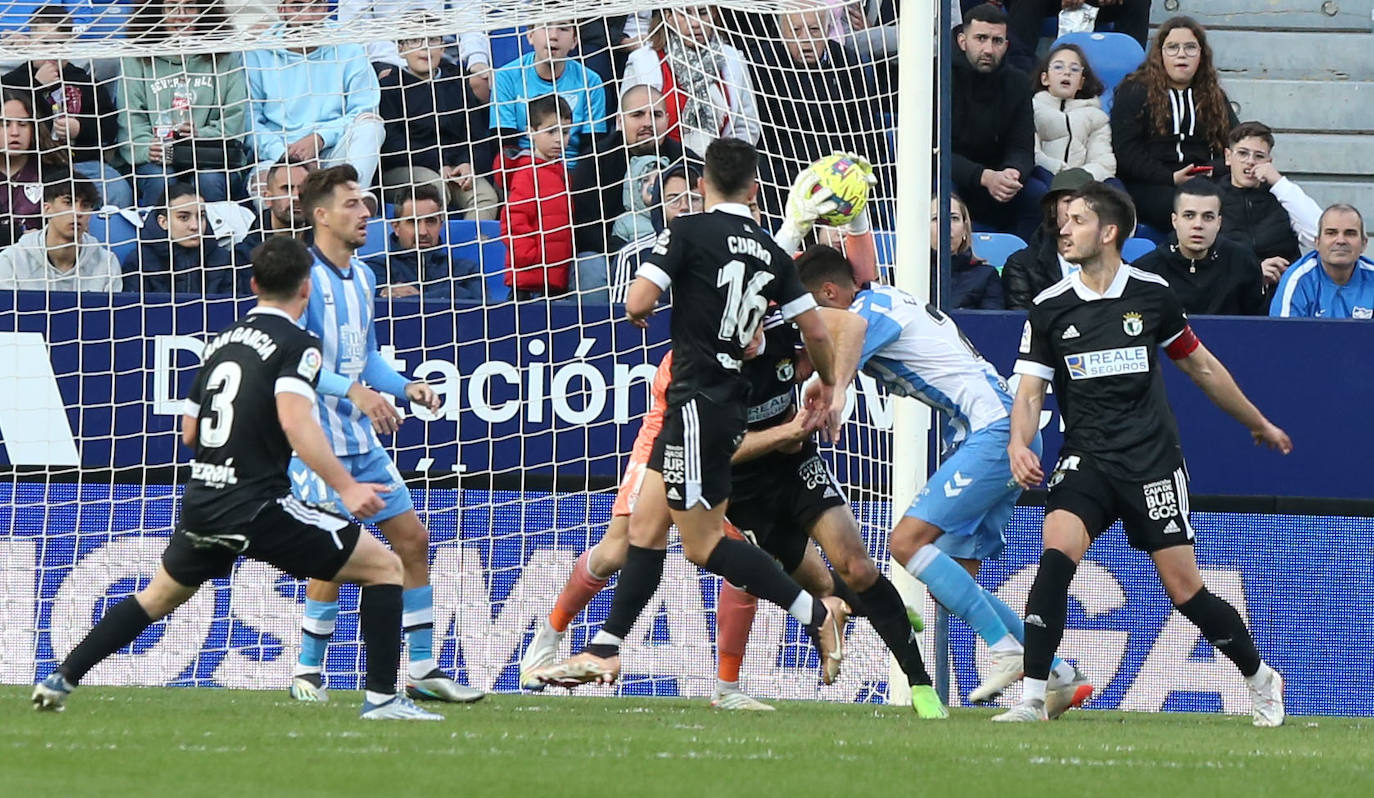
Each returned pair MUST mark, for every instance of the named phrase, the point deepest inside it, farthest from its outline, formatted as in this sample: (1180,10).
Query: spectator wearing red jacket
(537,219)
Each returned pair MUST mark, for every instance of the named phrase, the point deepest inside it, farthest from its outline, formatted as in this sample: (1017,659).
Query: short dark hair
(731,165)
(821,264)
(987,12)
(280,265)
(180,189)
(1251,130)
(53,14)
(414,194)
(1112,206)
(284,162)
(1197,187)
(77,189)
(1092,84)
(543,108)
(1340,207)
(320,185)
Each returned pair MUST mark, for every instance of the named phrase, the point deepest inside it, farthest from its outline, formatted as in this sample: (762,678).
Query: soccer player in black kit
(1096,334)
(251,404)
(724,270)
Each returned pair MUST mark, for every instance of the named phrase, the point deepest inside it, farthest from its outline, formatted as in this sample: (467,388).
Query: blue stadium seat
(377,231)
(1113,56)
(99,19)
(507,44)
(995,248)
(1136,247)
(481,242)
(14,16)
(1148,233)
(114,232)
(886,243)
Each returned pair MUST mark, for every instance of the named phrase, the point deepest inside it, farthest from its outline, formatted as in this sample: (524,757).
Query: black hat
(1068,181)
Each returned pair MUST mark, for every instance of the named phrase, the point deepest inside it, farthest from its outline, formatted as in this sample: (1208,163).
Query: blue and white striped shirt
(341,313)
(916,350)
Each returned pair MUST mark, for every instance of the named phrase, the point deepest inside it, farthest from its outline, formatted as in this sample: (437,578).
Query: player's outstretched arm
(1212,377)
(847,331)
(297,416)
(819,394)
(782,438)
(641,300)
(1025,422)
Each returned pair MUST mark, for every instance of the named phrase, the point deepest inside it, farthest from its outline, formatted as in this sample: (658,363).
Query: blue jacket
(1306,291)
(516,83)
(159,266)
(292,95)
(441,276)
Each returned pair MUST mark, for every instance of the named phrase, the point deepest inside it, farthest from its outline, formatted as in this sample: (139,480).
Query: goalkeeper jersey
(340,313)
(916,350)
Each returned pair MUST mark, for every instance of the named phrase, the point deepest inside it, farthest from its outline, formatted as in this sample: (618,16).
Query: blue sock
(417,618)
(317,626)
(1013,622)
(952,586)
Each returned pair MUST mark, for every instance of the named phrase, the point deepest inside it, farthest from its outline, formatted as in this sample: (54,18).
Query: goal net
(507,226)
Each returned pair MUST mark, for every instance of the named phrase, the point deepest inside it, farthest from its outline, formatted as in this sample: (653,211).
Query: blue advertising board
(67,552)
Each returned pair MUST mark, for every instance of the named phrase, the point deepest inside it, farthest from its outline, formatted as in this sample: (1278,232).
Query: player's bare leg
(590,573)
(1223,627)
(838,533)
(1066,541)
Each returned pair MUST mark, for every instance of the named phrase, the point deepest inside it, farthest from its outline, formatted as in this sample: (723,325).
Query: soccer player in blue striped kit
(958,519)
(341,314)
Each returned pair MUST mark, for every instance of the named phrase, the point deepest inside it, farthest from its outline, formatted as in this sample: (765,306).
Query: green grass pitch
(180,742)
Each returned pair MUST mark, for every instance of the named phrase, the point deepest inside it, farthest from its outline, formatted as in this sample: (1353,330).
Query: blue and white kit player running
(958,519)
(340,313)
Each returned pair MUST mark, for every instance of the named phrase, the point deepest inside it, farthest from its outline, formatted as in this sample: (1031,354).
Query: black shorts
(302,541)
(1154,512)
(777,499)
(693,451)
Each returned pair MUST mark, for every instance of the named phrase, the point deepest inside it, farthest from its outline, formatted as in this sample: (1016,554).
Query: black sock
(1047,610)
(857,608)
(1224,628)
(887,614)
(121,624)
(749,568)
(379,620)
(633,591)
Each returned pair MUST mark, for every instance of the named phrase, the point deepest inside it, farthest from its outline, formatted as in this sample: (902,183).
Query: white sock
(605,638)
(802,607)
(379,698)
(1008,643)
(1063,673)
(1034,690)
(723,687)
(1260,677)
(419,669)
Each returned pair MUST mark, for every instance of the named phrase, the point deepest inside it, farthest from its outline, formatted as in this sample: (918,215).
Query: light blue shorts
(371,466)
(972,495)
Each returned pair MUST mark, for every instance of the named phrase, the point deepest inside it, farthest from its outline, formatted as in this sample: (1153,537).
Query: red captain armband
(1184,344)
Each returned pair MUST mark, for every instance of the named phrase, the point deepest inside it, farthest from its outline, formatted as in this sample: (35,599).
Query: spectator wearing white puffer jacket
(1071,129)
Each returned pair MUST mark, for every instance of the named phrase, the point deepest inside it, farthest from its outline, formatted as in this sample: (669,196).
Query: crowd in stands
(575,154)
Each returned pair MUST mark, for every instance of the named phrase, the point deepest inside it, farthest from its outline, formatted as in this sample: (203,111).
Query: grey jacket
(24,266)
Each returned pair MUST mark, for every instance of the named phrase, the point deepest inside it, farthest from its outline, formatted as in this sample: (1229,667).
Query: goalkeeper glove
(806,202)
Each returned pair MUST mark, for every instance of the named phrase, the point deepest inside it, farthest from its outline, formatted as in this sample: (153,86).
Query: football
(847,181)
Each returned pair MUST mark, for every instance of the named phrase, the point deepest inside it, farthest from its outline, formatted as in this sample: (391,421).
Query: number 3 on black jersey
(222,386)
(744,305)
